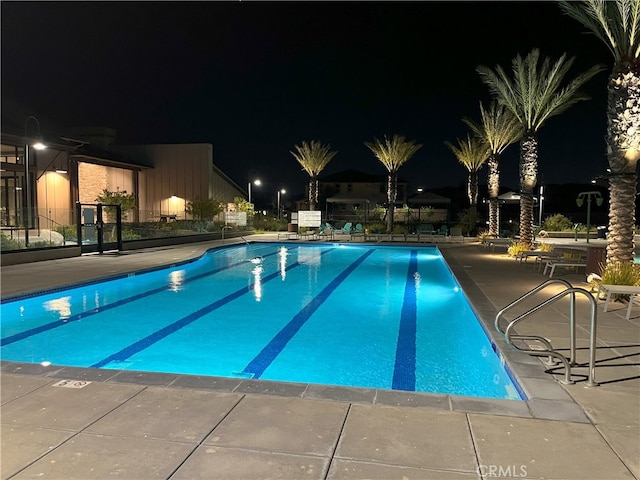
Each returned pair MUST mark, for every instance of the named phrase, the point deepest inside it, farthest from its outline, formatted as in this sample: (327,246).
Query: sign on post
(238,218)
(309,218)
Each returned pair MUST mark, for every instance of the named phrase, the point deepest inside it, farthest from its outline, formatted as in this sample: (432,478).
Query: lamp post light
(282,191)
(257,183)
(540,211)
(37,144)
(580,201)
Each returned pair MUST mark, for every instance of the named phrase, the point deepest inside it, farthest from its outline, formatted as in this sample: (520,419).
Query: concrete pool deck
(140,425)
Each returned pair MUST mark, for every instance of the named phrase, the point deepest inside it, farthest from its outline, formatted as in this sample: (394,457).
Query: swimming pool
(385,317)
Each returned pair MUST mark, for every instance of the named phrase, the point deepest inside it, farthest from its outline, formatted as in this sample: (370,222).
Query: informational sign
(309,218)
(237,218)
(294,218)
(87,213)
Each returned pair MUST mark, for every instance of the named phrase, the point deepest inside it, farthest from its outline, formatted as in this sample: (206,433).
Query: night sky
(256,78)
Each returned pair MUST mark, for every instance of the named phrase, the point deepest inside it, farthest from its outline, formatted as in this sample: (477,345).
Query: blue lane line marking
(80,316)
(149,340)
(261,362)
(404,372)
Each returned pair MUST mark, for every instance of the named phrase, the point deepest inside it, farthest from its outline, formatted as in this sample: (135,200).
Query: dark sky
(256,78)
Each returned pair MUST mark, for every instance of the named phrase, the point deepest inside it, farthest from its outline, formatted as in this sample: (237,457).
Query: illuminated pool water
(352,315)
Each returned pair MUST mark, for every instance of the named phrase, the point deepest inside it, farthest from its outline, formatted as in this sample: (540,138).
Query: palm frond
(393,152)
(313,156)
(615,22)
(472,152)
(499,128)
(535,92)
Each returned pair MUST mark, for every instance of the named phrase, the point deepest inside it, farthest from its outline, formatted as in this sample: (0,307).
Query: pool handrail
(570,290)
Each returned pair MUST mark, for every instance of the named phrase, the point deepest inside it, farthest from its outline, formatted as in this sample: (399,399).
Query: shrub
(545,247)
(204,208)
(269,224)
(127,201)
(68,232)
(557,223)
(399,228)
(129,235)
(484,235)
(377,227)
(620,273)
(7,243)
(516,249)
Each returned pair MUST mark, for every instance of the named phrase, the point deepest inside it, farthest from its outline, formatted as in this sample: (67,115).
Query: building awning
(108,162)
(512,197)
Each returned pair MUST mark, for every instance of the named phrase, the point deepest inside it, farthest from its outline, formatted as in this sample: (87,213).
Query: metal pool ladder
(548,348)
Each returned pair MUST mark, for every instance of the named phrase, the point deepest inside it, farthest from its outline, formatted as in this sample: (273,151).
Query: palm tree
(472,153)
(313,157)
(393,153)
(617,24)
(534,95)
(498,129)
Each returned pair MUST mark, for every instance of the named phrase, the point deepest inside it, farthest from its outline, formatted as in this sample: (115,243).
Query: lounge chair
(425,231)
(325,232)
(358,231)
(345,230)
(456,235)
(441,234)
(328,226)
(562,262)
(609,290)
(633,300)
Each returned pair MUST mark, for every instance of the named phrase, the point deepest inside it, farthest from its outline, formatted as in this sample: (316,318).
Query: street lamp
(283,191)
(37,144)
(257,183)
(580,201)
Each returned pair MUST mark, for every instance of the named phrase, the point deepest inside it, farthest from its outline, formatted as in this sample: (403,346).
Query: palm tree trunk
(313,192)
(528,179)
(472,193)
(392,192)
(623,150)
(493,182)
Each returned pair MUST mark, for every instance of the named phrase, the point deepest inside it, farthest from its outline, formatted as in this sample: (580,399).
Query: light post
(540,212)
(256,183)
(37,145)
(580,201)
(283,191)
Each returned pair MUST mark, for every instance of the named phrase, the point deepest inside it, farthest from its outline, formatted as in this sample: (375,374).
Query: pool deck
(74,423)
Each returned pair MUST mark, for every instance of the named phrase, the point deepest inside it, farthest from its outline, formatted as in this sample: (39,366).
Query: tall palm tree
(472,153)
(393,153)
(617,24)
(313,157)
(498,129)
(534,94)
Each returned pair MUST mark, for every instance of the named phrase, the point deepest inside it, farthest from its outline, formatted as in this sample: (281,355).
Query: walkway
(139,425)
